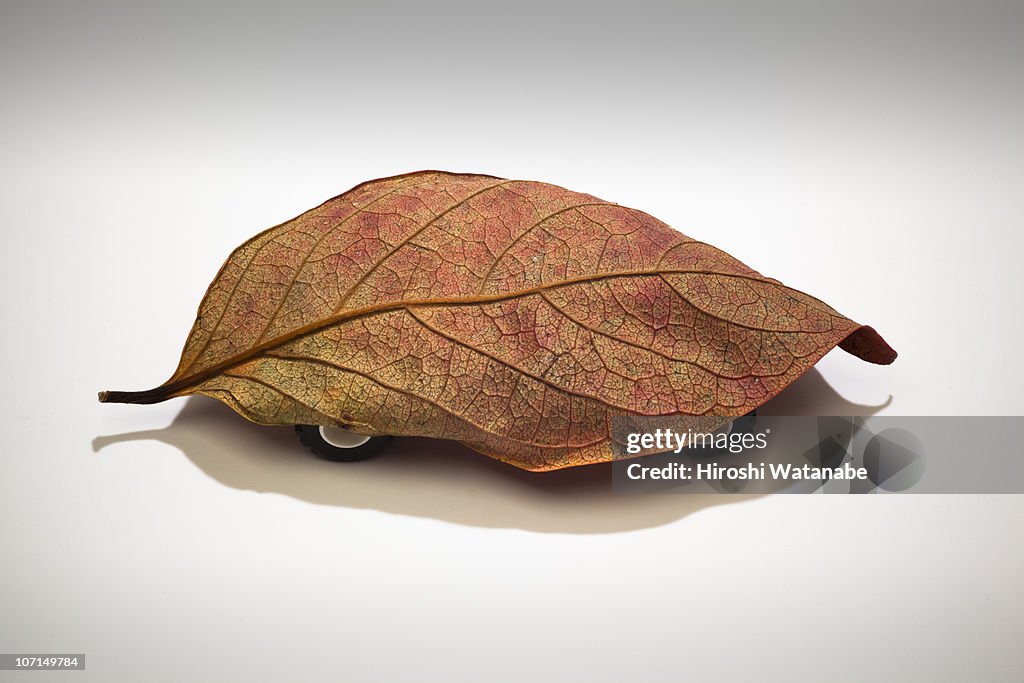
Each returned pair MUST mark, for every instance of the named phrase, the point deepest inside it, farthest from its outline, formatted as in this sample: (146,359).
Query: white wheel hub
(342,438)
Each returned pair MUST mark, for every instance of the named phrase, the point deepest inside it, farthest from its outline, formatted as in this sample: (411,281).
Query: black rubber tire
(312,439)
(745,423)
(740,425)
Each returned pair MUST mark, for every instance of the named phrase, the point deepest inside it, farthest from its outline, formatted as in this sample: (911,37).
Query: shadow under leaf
(442,479)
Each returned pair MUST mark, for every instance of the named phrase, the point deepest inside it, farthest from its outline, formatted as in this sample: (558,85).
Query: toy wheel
(744,423)
(738,425)
(339,445)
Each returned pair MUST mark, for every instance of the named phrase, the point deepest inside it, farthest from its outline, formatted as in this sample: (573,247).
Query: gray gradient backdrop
(870,153)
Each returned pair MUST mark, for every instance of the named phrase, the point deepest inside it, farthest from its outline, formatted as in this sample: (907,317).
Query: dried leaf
(514,316)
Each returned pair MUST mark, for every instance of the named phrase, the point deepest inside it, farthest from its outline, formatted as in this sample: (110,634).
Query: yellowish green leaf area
(514,316)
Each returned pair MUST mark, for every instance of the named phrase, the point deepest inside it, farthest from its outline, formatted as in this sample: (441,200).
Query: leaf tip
(868,345)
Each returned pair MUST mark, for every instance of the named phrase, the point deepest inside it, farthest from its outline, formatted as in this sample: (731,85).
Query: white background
(872,155)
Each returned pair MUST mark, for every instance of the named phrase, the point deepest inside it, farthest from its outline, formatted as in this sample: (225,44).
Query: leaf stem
(143,397)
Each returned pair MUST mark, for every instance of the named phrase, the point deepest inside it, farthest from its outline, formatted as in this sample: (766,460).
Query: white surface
(872,156)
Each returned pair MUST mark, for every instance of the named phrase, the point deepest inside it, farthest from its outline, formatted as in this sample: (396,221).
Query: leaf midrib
(184,385)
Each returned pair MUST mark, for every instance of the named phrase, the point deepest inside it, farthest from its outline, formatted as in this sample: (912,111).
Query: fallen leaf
(516,317)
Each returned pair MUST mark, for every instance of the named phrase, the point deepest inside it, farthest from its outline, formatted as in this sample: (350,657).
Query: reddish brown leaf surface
(517,317)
